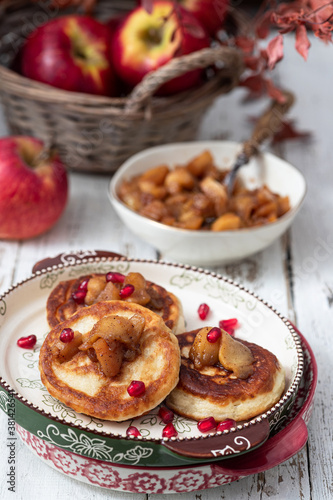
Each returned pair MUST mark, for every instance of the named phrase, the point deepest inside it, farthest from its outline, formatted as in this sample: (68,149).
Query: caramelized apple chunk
(71,348)
(140,295)
(100,289)
(110,292)
(232,354)
(202,352)
(109,355)
(235,356)
(127,331)
(216,192)
(95,285)
(115,338)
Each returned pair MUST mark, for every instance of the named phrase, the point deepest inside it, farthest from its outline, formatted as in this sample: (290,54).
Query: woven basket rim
(30,89)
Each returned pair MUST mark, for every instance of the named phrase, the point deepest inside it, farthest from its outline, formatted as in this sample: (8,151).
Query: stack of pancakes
(160,360)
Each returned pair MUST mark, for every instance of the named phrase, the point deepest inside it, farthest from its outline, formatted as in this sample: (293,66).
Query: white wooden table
(295,275)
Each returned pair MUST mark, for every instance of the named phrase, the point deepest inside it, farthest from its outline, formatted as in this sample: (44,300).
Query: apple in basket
(210,13)
(33,188)
(146,40)
(71,53)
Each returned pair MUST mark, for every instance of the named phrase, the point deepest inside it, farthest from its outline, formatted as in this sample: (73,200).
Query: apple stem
(154,36)
(45,154)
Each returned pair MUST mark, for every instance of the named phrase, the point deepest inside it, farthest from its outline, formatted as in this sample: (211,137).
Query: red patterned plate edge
(276,450)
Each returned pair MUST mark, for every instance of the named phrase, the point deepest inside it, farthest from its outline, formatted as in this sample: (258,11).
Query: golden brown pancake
(61,305)
(80,381)
(214,391)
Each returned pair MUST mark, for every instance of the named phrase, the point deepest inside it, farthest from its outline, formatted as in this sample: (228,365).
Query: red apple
(71,53)
(114,22)
(146,41)
(33,189)
(210,13)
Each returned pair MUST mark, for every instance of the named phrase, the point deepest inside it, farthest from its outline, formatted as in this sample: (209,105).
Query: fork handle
(268,124)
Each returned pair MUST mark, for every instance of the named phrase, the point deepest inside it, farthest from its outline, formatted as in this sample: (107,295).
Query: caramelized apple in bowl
(174,197)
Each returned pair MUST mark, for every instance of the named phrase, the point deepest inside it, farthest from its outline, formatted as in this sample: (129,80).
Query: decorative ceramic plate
(286,443)
(22,311)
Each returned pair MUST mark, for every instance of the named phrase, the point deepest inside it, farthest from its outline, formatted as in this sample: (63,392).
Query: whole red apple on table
(33,190)
(146,41)
(71,53)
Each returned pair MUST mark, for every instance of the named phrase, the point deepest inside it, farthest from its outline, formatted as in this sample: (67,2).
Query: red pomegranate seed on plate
(133,431)
(203,311)
(83,286)
(27,342)
(67,335)
(115,277)
(79,296)
(126,291)
(226,424)
(165,414)
(169,431)
(207,424)
(136,388)
(228,323)
(213,335)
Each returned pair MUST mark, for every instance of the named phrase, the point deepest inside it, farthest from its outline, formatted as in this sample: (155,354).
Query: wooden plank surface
(295,275)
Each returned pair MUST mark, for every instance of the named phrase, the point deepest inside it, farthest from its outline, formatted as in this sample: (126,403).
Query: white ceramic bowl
(208,248)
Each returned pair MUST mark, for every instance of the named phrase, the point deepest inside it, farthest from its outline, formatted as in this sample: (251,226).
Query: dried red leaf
(255,83)
(274,92)
(320,19)
(275,51)
(252,62)
(147,5)
(264,25)
(302,43)
(247,44)
(288,131)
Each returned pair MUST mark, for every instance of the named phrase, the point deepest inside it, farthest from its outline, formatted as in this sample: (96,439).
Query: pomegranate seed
(83,286)
(226,424)
(203,311)
(136,388)
(79,296)
(213,335)
(27,342)
(133,431)
(115,277)
(165,414)
(67,335)
(169,431)
(228,323)
(126,291)
(207,424)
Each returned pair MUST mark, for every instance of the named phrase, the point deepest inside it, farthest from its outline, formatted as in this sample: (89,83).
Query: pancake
(214,391)
(61,305)
(80,382)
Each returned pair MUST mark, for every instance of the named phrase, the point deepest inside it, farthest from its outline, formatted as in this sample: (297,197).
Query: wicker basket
(94,133)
